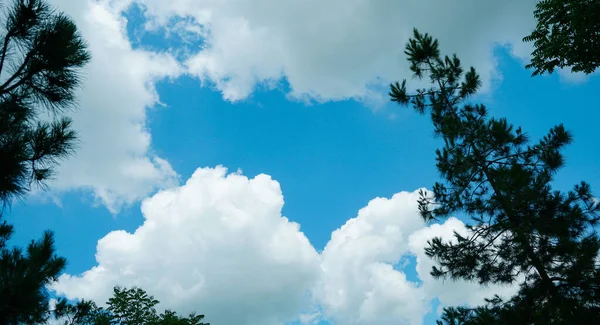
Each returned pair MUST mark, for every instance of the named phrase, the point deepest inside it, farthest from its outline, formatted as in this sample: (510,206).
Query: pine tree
(567,35)
(40,54)
(24,277)
(522,231)
(84,312)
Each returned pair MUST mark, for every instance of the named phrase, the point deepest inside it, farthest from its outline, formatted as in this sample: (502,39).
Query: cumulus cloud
(219,245)
(114,159)
(359,284)
(336,49)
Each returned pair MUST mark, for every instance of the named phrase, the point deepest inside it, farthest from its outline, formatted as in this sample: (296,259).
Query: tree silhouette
(522,231)
(127,306)
(567,35)
(40,55)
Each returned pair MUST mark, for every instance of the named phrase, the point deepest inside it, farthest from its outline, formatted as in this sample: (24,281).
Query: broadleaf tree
(522,231)
(41,53)
(127,306)
(567,35)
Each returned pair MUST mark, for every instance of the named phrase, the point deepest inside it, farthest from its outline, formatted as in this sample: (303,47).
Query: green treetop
(127,306)
(567,35)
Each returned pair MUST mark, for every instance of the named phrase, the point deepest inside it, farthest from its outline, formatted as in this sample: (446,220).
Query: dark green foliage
(132,306)
(567,35)
(24,277)
(522,231)
(83,313)
(40,55)
(171,318)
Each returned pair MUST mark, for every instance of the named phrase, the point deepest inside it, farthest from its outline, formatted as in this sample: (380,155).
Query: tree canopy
(522,231)
(127,306)
(567,35)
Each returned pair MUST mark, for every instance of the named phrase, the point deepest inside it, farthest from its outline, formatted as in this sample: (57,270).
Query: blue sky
(330,160)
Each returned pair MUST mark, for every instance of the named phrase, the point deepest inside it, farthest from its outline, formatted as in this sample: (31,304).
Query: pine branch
(3,87)
(4,50)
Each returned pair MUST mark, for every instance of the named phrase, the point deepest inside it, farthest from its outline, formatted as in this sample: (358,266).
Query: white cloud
(326,50)
(575,78)
(338,49)
(219,245)
(114,159)
(359,284)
